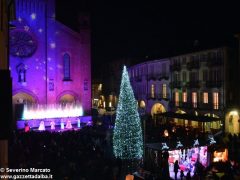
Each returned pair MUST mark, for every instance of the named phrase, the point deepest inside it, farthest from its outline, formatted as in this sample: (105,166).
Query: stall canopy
(189,117)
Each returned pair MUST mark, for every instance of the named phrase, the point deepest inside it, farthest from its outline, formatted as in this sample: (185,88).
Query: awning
(189,117)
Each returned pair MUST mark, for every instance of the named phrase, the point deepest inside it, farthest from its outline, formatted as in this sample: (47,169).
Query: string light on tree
(127,135)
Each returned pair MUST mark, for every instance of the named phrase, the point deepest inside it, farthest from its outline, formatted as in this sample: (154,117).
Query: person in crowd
(181,174)
(41,126)
(69,124)
(52,123)
(27,127)
(176,167)
(188,177)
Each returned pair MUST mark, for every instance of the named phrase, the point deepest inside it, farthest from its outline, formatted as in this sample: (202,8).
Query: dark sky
(136,29)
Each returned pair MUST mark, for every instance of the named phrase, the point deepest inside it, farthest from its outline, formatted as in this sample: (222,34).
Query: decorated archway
(23,98)
(157,108)
(67,99)
(19,100)
(232,122)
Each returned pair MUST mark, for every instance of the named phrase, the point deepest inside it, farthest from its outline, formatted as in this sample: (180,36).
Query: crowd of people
(83,155)
(87,153)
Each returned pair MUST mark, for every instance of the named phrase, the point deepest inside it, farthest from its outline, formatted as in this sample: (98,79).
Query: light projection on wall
(53,45)
(26,28)
(20,19)
(51,111)
(33,16)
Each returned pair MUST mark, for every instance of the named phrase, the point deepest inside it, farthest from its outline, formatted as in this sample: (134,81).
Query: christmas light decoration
(164,146)
(211,140)
(179,144)
(196,143)
(127,135)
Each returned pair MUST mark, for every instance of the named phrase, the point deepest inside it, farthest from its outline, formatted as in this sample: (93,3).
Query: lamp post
(5,82)
(143,119)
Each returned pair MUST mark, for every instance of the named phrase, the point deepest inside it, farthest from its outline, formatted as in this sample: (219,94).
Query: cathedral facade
(50,63)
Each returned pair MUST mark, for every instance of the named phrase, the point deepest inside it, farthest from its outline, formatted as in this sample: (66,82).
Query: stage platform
(58,129)
(34,124)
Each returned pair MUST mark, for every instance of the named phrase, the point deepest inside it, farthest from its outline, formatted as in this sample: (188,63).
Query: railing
(163,76)
(193,84)
(199,106)
(193,65)
(138,78)
(215,62)
(176,84)
(152,76)
(175,67)
(205,106)
(150,96)
(214,84)
(161,96)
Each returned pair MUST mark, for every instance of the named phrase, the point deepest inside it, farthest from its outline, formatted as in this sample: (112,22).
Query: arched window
(66,67)
(21,70)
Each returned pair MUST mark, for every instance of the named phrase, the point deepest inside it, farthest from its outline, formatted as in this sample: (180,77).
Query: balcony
(197,106)
(176,84)
(161,97)
(152,76)
(193,84)
(138,78)
(173,104)
(163,76)
(186,105)
(149,96)
(213,62)
(205,106)
(193,65)
(175,67)
(214,84)
(190,105)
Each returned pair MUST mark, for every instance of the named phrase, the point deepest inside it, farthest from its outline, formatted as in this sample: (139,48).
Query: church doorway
(67,99)
(19,100)
(23,98)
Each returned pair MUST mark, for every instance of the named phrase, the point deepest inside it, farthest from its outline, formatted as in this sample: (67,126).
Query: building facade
(199,85)
(150,82)
(50,63)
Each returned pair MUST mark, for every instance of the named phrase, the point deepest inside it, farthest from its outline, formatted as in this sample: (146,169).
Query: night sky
(152,29)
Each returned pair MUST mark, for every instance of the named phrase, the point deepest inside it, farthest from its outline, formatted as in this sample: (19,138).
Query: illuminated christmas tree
(127,135)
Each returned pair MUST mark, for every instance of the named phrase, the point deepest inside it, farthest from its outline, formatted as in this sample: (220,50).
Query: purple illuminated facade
(50,63)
